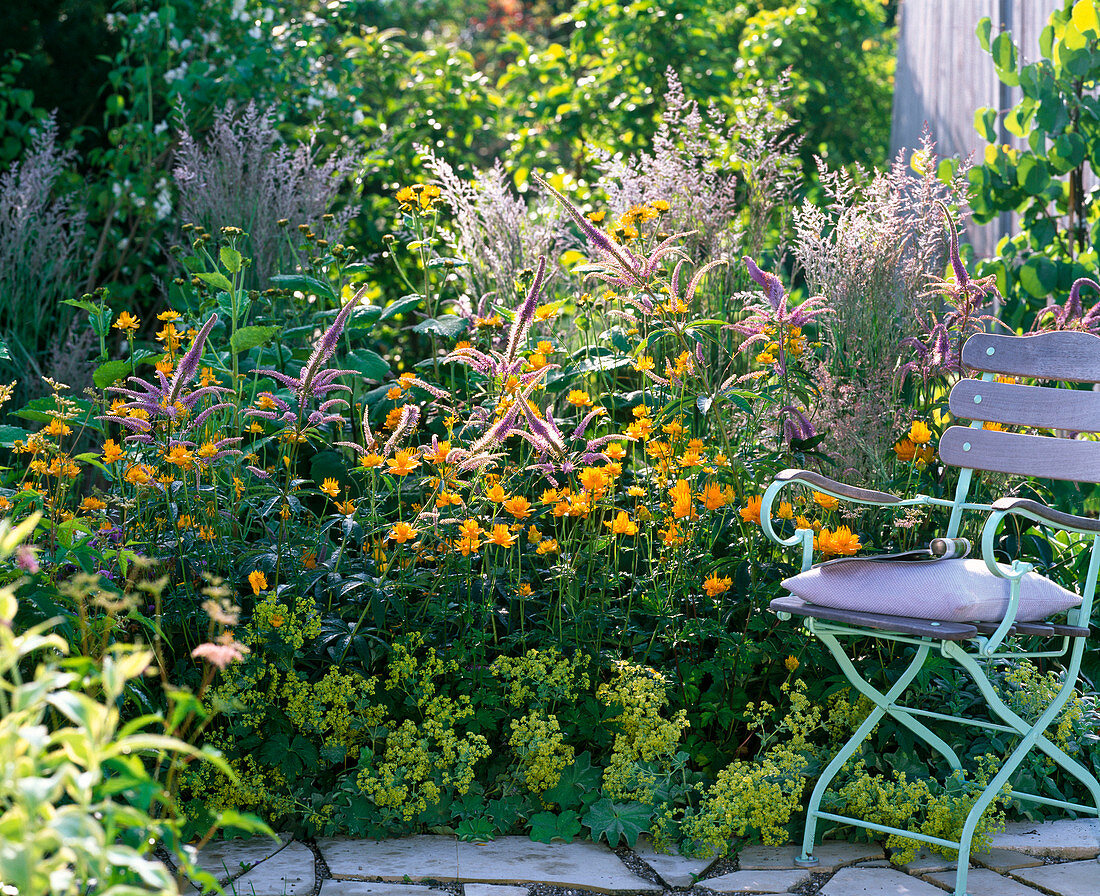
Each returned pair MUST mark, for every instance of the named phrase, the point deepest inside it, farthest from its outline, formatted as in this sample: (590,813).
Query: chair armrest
(837,489)
(804,537)
(1036,510)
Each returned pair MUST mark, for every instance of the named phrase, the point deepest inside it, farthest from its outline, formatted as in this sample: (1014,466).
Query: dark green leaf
(250,337)
(449,326)
(305,284)
(405,303)
(371,364)
(111,372)
(218,281)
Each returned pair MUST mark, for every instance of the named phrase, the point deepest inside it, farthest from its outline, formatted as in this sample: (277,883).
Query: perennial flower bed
(465,536)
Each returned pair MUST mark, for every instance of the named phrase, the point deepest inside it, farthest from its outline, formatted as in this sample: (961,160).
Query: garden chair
(975,611)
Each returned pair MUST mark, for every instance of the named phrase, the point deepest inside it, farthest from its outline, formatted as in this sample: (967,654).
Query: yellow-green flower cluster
(645,735)
(1028,692)
(422,761)
(331,708)
(924,806)
(542,677)
(541,749)
(294,627)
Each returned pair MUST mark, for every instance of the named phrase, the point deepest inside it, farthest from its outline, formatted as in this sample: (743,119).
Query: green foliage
(1045,180)
(82,802)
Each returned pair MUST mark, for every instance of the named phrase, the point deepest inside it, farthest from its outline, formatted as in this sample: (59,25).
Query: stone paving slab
(1067,879)
(1065,839)
(757,881)
(983,882)
(877,882)
(368,888)
(675,870)
(493,890)
(927,862)
(1005,860)
(290,872)
(831,854)
(507,860)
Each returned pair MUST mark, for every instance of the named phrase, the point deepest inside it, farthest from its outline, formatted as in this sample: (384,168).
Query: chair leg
(881,701)
(897,713)
(1034,734)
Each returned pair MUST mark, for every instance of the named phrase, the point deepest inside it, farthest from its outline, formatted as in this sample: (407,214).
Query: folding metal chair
(1066,356)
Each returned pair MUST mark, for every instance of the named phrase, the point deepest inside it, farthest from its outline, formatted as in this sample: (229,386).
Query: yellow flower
(843,541)
(519,507)
(126,322)
(496,494)
(501,536)
(622,525)
(547,546)
(402,532)
(257,580)
(681,499)
(112,452)
(786,512)
(905,449)
(644,363)
(180,456)
(93,504)
(713,496)
(579,398)
(750,513)
(919,433)
(524,590)
(828,502)
(369,461)
(347,508)
(330,487)
(791,662)
(713,585)
(403,463)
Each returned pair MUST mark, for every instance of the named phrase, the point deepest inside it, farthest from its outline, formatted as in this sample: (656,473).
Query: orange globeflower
(519,507)
(750,513)
(330,487)
(439,454)
(622,525)
(905,450)
(370,461)
(138,474)
(501,536)
(347,508)
(402,532)
(671,536)
(714,585)
(828,502)
(257,580)
(547,546)
(713,496)
(681,499)
(180,456)
(403,463)
(112,452)
(496,494)
(579,398)
(126,322)
(93,504)
(919,433)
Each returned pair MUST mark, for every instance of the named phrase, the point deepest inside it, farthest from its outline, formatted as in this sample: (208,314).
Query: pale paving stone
(493,890)
(511,860)
(926,862)
(983,882)
(1067,879)
(1063,839)
(831,854)
(674,869)
(756,881)
(1004,860)
(290,872)
(367,888)
(877,882)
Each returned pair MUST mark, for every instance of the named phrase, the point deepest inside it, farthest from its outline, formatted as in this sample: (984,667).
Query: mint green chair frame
(1060,356)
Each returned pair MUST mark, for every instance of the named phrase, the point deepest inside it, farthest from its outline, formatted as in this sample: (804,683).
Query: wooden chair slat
(1069,355)
(1069,409)
(1023,455)
(903,625)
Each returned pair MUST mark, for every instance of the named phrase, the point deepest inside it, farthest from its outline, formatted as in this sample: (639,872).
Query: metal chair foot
(813,863)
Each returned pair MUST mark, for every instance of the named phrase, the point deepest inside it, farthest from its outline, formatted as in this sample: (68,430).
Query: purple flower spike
(769,283)
(525,314)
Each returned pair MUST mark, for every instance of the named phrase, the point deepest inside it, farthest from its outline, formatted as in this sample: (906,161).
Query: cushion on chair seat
(950,590)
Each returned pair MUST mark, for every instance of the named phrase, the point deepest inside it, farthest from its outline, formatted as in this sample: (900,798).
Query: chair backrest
(1063,356)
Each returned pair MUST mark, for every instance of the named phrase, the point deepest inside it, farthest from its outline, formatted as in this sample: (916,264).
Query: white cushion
(948,590)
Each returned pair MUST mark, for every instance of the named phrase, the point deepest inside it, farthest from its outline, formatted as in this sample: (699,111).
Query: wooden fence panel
(943,76)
